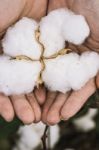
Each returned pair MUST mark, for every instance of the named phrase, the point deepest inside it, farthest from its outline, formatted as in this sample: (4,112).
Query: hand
(26,107)
(63,106)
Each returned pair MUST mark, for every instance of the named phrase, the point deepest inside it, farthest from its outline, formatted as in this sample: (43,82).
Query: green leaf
(7,129)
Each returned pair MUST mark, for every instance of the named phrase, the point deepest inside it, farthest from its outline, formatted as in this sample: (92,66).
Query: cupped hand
(60,106)
(26,107)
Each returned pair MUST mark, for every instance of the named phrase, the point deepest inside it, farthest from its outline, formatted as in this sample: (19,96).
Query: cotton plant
(30,136)
(35,53)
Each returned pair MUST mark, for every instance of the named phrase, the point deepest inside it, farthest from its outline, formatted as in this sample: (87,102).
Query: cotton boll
(39,129)
(77,75)
(18,77)
(54,135)
(29,139)
(51,31)
(51,36)
(59,26)
(75,29)
(54,132)
(30,136)
(20,39)
(55,74)
(63,73)
(81,124)
(4,58)
(91,62)
(57,17)
(70,71)
(82,70)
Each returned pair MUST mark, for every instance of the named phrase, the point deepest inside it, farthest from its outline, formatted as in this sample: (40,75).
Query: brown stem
(44,138)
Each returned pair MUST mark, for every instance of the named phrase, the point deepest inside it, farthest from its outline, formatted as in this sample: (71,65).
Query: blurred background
(79,133)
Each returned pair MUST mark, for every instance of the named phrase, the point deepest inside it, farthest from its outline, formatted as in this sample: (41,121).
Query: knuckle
(51,120)
(30,96)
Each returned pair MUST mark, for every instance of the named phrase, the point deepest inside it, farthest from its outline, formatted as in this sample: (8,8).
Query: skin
(57,105)
(64,106)
(26,107)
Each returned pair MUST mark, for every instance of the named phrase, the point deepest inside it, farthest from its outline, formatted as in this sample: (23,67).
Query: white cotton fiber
(51,36)
(59,26)
(86,122)
(70,71)
(58,16)
(77,75)
(86,68)
(30,136)
(63,73)
(91,62)
(20,39)
(55,73)
(18,77)
(51,31)
(75,29)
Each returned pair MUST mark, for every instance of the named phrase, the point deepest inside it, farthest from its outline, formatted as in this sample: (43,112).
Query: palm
(25,106)
(89,9)
(11,11)
(66,105)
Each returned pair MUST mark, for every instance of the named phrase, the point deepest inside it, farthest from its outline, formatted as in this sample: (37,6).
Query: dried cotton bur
(35,53)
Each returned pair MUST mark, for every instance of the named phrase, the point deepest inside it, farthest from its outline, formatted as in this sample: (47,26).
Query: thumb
(55,4)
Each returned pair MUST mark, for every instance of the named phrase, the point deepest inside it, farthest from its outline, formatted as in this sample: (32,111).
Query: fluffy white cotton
(51,36)
(18,77)
(70,71)
(51,31)
(58,16)
(86,123)
(91,62)
(55,73)
(77,75)
(30,136)
(20,39)
(63,73)
(62,25)
(75,29)
(54,135)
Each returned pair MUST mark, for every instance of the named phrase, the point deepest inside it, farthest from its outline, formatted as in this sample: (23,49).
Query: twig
(44,138)
(49,139)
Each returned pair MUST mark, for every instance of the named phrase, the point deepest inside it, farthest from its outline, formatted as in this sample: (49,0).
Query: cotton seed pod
(17,77)
(35,53)
(20,39)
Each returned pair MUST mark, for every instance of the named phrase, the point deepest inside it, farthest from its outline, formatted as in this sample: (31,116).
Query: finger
(34,7)
(53,116)
(55,4)
(50,98)
(93,43)
(40,94)
(77,100)
(23,109)
(6,108)
(35,106)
